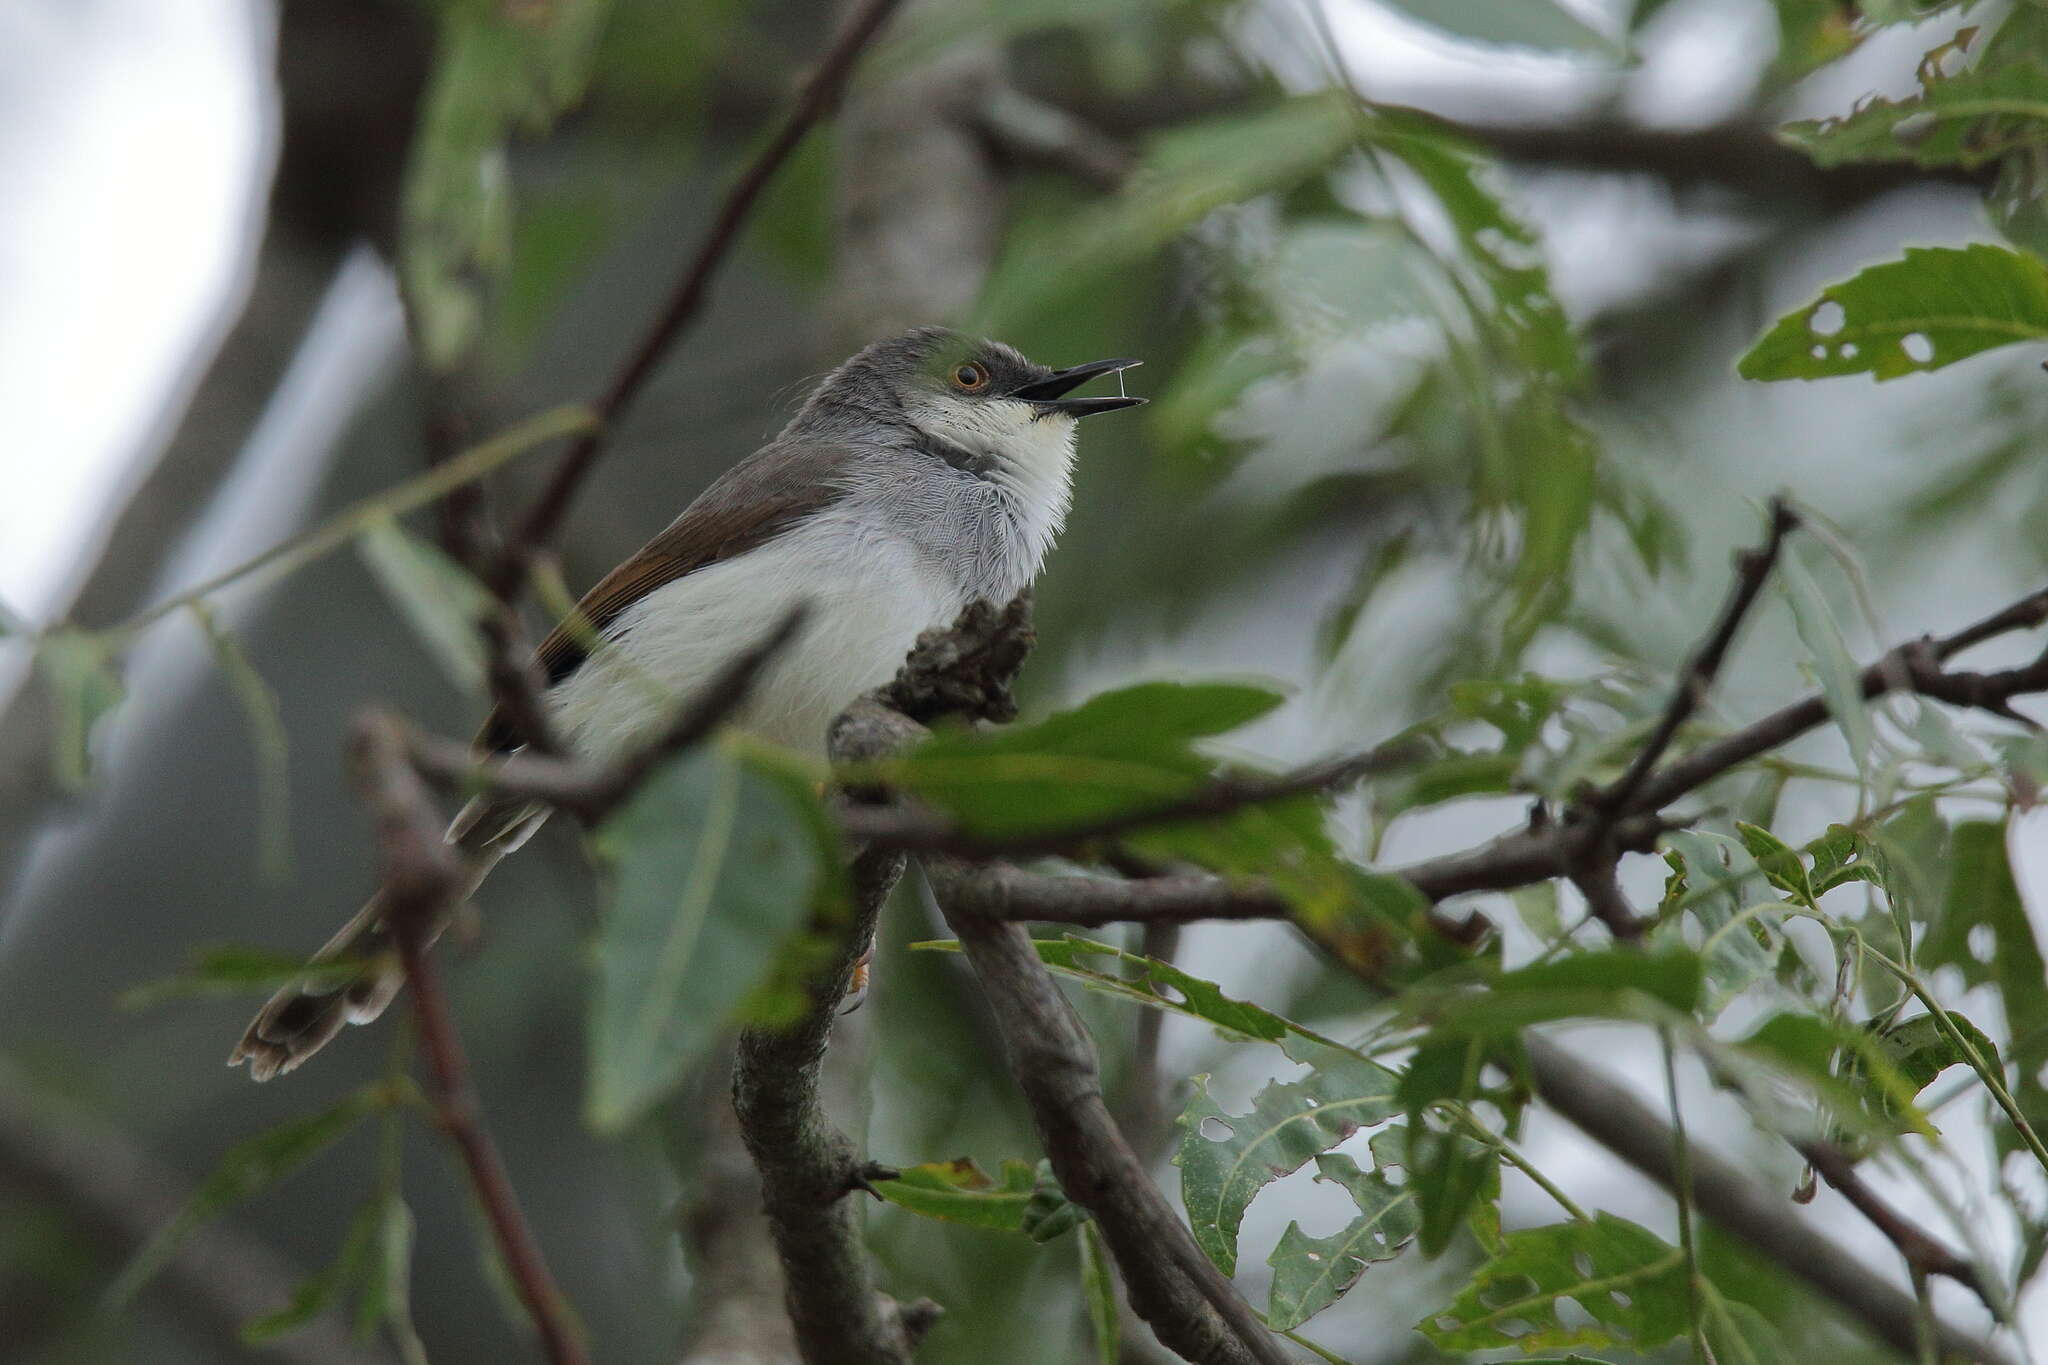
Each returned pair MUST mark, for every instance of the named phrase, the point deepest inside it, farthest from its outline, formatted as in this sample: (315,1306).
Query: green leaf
(1098,1291)
(1919,1049)
(235,969)
(711,867)
(1629,1281)
(1289,1122)
(387,1296)
(265,720)
(437,597)
(317,1292)
(248,1168)
(1162,985)
(78,668)
(1612,984)
(1781,865)
(1984,932)
(1968,119)
(959,1191)
(1841,677)
(498,71)
(1119,751)
(1504,252)
(1739,940)
(1932,307)
(1049,1213)
(1310,1273)
(1540,24)
(1185,174)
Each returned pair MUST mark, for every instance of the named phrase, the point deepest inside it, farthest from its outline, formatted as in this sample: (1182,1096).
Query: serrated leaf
(1288,1123)
(1932,307)
(437,597)
(1841,677)
(1098,1291)
(1968,119)
(1311,1273)
(248,1168)
(78,669)
(959,1191)
(1740,939)
(710,868)
(1539,24)
(1123,750)
(1634,1292)
(1162,985)
(1819,1052)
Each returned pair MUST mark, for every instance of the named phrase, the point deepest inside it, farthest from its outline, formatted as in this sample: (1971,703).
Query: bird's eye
(970,377)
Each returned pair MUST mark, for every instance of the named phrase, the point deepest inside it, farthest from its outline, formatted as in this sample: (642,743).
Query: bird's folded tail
(301,1018)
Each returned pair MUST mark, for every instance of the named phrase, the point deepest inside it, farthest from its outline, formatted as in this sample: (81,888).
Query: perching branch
(422,877)
(814,102)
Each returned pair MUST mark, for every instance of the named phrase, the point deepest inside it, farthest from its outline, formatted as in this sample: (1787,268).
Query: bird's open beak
(1047,393)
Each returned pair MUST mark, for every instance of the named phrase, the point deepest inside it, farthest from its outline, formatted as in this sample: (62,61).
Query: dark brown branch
(1188,1303)
(814,102)
(1913,667)
(422,876)
(1922,1252)
(1752,569)
(1612,1116)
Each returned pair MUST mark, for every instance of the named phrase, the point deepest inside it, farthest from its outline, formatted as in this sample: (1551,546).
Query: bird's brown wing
(747,506)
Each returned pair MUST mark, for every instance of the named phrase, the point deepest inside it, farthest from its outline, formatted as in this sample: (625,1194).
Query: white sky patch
(129,134)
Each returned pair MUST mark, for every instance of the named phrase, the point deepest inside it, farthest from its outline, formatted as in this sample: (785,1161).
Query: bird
(929,471)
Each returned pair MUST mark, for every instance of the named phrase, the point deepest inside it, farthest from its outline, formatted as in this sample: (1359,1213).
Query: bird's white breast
(869,599)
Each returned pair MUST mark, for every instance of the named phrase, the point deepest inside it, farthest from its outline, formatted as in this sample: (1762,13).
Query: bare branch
(814,102)
(422,876)
(1922,1252)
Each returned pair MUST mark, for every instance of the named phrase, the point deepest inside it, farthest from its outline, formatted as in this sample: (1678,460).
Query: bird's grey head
(979,403)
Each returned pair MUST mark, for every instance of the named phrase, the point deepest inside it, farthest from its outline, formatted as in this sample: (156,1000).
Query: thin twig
(1923,1253)
(421,876)
(1752,569)
(817,98)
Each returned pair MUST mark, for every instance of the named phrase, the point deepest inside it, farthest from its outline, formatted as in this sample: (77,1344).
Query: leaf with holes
(1288,1123)
(1310,1273)
(711,870)
(1969,119)
(1932,307)
(1739,939)
(1628,1280)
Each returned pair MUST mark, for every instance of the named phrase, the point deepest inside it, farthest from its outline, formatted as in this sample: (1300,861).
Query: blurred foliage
(1358,354)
